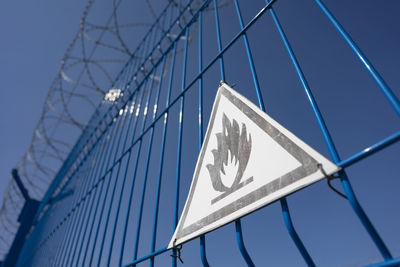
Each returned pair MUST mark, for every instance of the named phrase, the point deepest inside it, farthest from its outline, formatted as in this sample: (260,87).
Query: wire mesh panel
(118,196)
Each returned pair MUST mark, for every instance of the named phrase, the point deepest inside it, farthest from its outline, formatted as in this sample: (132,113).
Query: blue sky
(36,34)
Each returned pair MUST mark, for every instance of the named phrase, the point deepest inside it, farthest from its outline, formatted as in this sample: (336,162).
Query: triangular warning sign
(247,161)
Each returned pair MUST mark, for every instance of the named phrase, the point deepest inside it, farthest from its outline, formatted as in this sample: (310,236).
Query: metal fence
(117,198)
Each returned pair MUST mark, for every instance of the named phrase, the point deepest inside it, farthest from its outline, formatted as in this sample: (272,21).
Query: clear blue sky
(35,35)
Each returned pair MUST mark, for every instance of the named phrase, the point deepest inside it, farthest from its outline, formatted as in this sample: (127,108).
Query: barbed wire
(97,51)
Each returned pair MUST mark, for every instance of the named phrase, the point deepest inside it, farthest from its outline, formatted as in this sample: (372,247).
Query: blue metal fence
(117,198)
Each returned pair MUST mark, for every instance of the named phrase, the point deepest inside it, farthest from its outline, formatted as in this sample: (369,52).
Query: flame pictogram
(233,147)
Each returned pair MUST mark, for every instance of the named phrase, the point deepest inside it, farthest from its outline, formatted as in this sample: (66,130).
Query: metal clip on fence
(330,178)
(178,250)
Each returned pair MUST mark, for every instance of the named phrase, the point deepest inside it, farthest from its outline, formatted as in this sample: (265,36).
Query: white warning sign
(247,161)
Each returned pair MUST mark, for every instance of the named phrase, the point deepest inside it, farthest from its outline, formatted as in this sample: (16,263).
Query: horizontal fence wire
(117,198)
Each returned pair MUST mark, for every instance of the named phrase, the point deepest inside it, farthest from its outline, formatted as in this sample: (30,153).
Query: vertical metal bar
(135,94)
(90,180)
(73,217)
(82,215)
(67,248)
(387,92)
(221,59)
(68,225)
(119,204)
(113,194)
(240,241)
(242,248)
(285,209)
(129,204)
(332,150)
(200,44)
(78,229)
(133,184)
(250,59)
(61,242)
(363,217)
(93,221)
(95,194)
(156,101)
(95,212)
(60,247)
(72,220)
(158,191)
(107,188)
(203,252)
(115,184)
(88,152)
(293,234)
(124,179)
(179,149)
(131,192)
(139,220)
(239,234)
(117,125)
(161,161)
(122,187)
